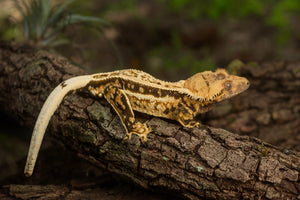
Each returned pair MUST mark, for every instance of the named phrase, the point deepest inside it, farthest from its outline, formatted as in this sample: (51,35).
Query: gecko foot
(141,130)
(189,123)
(193,124)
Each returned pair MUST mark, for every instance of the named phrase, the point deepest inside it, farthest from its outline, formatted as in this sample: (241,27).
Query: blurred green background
(170,39)
(162,37)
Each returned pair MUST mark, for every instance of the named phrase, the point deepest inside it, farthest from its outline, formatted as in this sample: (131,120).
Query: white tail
(48,109)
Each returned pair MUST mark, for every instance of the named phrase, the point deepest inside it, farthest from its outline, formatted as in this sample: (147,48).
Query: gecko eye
(220,76)
(228,85)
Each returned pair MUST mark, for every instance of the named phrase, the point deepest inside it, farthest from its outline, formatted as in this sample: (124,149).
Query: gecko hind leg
(121,104)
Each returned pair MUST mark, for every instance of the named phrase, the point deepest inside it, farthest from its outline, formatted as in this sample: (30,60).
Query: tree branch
(196,163)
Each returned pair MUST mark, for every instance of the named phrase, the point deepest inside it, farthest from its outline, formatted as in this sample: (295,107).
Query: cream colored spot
(93,90)
(159,107)
(196,105)
(180,114)
(141,90)
(131,119)
(169,105)
(159,93)
(111,95)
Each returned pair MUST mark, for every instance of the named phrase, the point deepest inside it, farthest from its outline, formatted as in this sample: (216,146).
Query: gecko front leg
(185,117)
(121,104)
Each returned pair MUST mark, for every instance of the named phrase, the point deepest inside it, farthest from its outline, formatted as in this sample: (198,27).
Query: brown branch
(196,163)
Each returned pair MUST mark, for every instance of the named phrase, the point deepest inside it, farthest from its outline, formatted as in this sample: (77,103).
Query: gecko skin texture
(128,90)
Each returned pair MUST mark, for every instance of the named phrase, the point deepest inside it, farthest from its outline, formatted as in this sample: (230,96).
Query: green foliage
(11,33)
(235,66)
(44,23)
(281,12)
(177,57)
(215,9)
(265,151)
(124,5)
(275,13)
(280,18)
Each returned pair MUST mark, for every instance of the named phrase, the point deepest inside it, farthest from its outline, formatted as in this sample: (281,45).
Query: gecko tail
(48,109)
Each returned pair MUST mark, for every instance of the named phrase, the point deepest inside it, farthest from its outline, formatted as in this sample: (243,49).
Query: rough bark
(195,163)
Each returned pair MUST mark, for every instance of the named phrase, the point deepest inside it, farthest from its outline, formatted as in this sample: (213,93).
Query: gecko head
(215,86)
